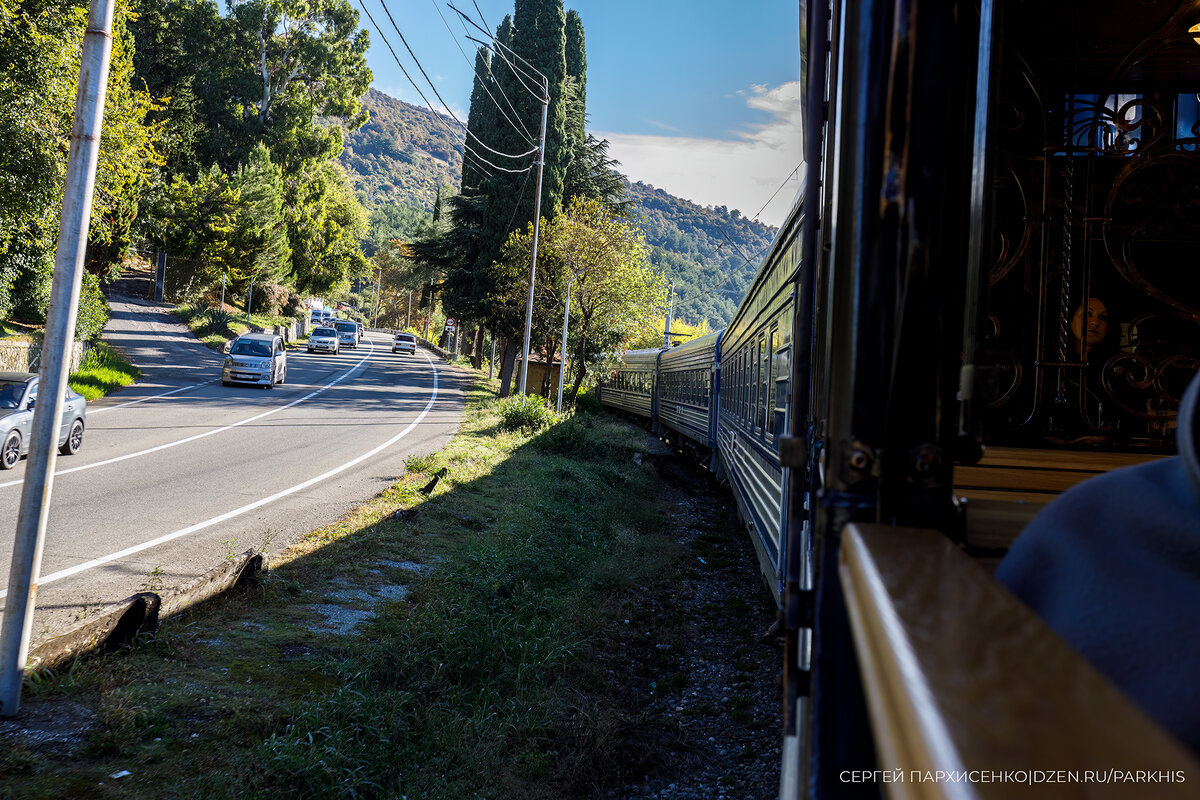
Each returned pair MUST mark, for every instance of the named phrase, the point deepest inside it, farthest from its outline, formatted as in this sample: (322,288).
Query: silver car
(347,330)
(18,397)
(404,343)
(257,358)
(324,340)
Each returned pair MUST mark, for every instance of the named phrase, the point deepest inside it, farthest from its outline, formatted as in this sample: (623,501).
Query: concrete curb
(121,622)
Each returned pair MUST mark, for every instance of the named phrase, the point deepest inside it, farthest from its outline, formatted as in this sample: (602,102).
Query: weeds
(422,463)
(154,580)
(528,413)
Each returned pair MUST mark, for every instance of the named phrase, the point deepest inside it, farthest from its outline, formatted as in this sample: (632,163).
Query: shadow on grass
(487,645)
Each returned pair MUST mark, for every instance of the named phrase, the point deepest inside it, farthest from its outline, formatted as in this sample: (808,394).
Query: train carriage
(755,355)
(630,389)
(689,380)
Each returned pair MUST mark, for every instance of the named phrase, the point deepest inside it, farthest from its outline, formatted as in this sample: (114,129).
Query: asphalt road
(177,471)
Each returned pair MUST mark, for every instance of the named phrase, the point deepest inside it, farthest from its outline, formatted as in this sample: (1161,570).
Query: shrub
(573,437)
(216,320)
(269,298)
(93,310)
(528,413)
(294,307)
(587,403)
(421,463)
(31,287)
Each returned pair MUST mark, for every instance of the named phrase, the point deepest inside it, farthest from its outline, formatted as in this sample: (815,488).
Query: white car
(404,343)
(257,358)
(324,340)
(347,332)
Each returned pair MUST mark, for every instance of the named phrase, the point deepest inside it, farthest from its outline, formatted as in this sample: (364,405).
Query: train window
(769,406)
(756,396)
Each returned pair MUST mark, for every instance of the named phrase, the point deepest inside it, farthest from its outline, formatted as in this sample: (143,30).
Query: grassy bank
(102,371)
(214,326)
(491,659)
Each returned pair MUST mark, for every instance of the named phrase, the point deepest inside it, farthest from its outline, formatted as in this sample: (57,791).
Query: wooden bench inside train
(1003,491)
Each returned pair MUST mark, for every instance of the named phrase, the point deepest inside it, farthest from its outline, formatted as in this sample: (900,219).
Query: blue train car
(631,387)
(688,382)
(755,395)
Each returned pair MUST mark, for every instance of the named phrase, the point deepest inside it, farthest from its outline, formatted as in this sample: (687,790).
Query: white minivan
(257,358)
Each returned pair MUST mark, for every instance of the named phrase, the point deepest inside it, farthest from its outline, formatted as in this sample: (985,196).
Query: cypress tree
(577,59)
(478,120)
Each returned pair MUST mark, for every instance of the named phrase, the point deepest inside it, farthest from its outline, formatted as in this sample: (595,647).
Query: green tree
(40,44)
(614,293)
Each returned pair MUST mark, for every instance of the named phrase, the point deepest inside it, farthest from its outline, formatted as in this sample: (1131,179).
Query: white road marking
(246,421)
(137,548)
(93,412)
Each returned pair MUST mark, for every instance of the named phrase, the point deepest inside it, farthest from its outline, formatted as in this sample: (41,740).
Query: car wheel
(74,439)
(10,451)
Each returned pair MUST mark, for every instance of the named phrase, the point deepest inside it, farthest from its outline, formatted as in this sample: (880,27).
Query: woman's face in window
(1097,322)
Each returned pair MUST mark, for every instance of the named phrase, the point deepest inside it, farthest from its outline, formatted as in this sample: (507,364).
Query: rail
(962,679)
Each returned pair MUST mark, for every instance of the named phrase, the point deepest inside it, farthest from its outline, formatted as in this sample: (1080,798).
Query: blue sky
(698,98)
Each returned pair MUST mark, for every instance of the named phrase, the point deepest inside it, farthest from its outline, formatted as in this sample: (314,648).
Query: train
(982,297)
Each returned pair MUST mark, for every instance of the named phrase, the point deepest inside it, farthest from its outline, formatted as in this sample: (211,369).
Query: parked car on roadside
(347,330)
(18,397)
(257,358)
(324,340)
(404,343)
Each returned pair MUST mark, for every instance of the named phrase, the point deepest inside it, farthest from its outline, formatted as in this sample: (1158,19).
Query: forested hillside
(710,253)
(403,154)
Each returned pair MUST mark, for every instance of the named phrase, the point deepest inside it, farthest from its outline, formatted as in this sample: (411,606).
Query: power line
(777,191)
(484,79)
(438,94)
(438,116)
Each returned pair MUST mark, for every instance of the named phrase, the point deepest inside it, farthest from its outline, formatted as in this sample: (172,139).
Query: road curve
(178,470)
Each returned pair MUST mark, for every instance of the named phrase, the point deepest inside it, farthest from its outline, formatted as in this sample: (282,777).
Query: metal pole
(537,217)
(160,276)
(378,281)
(249,299)
(222,291)
(492,361)
(670,308)
(408,317)
(56,346)
(562,361)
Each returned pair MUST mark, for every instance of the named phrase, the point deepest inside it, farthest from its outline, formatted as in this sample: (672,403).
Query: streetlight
(562,360)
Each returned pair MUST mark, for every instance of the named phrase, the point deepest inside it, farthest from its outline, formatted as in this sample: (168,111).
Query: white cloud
(742,172)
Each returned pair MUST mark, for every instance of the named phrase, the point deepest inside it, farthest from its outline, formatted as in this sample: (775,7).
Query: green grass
(102,371)
(502,674)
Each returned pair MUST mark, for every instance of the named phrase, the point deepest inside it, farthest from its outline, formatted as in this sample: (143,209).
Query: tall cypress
(541,40)
(577,59)
(477,121)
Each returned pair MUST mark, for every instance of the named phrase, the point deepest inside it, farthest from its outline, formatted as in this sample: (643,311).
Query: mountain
(404,153)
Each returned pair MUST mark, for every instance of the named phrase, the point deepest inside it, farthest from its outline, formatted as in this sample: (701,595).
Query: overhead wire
(438,116)
(483,80)
(437,94)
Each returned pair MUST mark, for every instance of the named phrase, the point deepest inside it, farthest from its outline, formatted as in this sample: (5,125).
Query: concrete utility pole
(670,308)
(562,361)
(537,218)
(56,348)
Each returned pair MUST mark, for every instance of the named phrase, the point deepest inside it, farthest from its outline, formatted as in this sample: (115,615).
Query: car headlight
(228,363)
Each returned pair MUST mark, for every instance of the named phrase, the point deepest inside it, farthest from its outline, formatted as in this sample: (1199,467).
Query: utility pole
(562,361)
(670,308)
(56,346)
(378,283)
(537,218)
